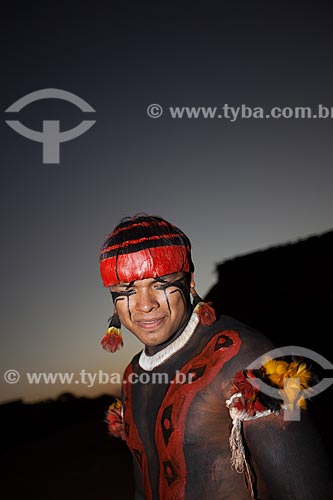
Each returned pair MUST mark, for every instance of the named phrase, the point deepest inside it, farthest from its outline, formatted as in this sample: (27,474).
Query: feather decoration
(113,340)
(291,378)
(114,419)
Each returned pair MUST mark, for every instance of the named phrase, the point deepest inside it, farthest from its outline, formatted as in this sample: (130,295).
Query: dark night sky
(233,187)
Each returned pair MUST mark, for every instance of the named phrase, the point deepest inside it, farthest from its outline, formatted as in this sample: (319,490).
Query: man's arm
(289,457)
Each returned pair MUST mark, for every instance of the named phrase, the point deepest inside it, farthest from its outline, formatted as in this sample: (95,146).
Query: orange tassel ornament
(113,340)
(204,310)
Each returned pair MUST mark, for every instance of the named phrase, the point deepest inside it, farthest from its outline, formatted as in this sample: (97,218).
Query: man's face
(152,309)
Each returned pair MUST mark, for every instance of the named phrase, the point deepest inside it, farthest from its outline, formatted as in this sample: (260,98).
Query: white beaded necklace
(148,363)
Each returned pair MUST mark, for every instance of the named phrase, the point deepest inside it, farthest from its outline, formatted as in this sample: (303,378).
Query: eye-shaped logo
(294,413)
(50,137)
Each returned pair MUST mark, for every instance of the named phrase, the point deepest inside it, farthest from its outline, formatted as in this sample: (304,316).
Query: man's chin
(151,339)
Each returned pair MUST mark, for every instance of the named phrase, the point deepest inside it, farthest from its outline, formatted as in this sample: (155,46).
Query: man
(196,426)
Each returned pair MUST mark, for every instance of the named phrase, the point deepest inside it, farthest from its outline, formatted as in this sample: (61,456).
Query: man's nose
(146,301)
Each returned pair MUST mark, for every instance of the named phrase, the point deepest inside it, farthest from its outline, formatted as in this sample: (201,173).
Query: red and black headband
(144,247)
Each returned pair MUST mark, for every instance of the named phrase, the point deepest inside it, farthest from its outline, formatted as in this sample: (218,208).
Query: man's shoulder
(253,343)
(225,322)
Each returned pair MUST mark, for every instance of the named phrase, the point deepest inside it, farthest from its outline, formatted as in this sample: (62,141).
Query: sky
(233,186)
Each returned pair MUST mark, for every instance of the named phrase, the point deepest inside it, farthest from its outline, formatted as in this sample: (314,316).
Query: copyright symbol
(154,111)
(11,376)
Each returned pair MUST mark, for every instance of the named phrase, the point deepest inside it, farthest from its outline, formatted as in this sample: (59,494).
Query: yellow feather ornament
(292,378)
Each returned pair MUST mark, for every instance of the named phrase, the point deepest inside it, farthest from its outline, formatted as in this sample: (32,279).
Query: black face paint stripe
(176,282)
(128,307)
(117,299)
(179,283)
(167,299)
(116,295)
(181,294)
(181,287)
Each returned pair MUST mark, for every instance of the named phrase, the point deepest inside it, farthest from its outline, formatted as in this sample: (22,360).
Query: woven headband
(154,250)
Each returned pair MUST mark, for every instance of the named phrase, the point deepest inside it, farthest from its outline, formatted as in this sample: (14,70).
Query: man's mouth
(150,324)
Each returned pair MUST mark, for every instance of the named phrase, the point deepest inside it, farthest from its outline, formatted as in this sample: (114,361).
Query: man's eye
(158,286)
(162,285)
(124,291)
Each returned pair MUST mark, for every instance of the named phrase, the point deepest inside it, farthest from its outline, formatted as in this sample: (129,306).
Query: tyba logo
(50,137)
(294,412)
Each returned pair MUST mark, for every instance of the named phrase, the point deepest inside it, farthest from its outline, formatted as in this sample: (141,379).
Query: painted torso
(178,429)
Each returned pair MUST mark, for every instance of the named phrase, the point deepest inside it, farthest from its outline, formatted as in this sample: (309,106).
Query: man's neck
(150,350)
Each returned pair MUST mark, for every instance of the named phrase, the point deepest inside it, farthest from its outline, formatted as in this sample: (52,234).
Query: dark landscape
(60,449)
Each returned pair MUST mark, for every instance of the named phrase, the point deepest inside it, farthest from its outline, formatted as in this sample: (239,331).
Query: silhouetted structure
(286,292)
